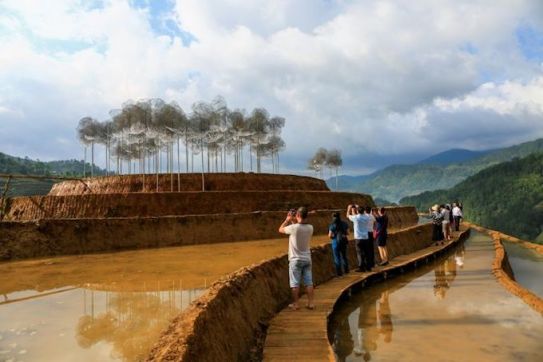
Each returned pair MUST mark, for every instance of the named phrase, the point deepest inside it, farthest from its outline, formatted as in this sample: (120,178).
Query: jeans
(300,269)
(339,250)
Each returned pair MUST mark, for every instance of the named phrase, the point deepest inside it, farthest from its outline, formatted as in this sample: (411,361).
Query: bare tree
(334,161)
(318,161)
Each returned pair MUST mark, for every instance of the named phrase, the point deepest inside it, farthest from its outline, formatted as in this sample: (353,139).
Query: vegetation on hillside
(505,197)
(11,165)
(398,181)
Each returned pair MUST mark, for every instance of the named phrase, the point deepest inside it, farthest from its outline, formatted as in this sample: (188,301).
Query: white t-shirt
(456,211)
(361,223)
(299,241)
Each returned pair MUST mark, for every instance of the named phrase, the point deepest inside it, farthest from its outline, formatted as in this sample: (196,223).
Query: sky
(383,81)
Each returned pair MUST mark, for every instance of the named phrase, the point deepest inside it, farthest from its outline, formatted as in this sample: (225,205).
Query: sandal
(292,306)
(310,307)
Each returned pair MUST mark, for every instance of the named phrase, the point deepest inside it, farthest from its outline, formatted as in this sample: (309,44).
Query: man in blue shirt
(360,222)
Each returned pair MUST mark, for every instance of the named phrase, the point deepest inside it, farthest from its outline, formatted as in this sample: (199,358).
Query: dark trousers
(369,252)
(339,249)
(359,252)
(365,254)
(456,222)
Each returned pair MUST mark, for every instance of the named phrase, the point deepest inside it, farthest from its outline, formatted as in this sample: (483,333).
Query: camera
(292,212)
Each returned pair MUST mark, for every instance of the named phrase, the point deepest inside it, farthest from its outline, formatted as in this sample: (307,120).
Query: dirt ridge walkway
(302,335)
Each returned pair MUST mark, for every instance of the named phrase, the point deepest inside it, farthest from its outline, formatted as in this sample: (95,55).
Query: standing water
(109,306)
(450,310)
(527,266)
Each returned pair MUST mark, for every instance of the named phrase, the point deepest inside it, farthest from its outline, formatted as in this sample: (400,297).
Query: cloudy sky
(384,81)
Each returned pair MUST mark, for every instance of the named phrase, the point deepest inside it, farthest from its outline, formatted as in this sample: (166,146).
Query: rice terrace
(314,180)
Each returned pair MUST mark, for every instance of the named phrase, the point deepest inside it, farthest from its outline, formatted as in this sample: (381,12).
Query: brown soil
(31,239)
(246,300)
(169,204)
(188,182)
(504,273)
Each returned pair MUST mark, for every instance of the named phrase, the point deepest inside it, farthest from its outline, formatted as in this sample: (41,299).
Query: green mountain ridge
(505,197)
(398,181)
(25,166)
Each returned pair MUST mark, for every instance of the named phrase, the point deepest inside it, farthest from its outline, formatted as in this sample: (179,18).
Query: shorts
(298,270)
(382,239)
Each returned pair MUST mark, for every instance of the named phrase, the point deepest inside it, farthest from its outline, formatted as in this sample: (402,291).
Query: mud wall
(188,182)
(28,239)
(167,204)
(224,323)
(504,273)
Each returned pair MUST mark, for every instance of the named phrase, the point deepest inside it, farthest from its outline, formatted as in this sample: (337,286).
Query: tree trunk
(85,162)
(92,159)
(178,167)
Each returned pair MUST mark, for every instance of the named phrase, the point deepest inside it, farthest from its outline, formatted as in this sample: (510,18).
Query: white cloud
(383,76)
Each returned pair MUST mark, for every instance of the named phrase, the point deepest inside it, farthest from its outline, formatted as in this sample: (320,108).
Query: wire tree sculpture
(146,137)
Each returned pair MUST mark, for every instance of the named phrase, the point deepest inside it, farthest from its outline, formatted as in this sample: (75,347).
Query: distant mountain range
(441,171)
(455,155)
(506,197)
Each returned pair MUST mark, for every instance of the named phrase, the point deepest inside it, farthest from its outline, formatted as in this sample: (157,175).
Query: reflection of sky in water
(449,309)
(100,307)
(527,266)
(83,324)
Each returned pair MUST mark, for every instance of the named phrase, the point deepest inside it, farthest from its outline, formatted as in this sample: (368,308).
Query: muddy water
(449,310)
(527,266)
(109,306)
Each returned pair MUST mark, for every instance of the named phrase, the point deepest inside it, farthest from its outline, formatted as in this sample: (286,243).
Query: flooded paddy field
(450,310)
(527,266)
(109,306)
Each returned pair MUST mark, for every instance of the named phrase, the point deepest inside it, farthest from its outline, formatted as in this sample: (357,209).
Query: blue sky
(385,81)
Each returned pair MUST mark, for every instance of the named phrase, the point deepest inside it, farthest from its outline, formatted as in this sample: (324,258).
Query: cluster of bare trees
(147,137)
(326,158)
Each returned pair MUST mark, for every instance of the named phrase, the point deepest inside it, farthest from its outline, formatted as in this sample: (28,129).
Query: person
(360,224)
(437,220)
(446,223)
(457,216)
(381,235)
(299,255)
(338,231)
(369,250)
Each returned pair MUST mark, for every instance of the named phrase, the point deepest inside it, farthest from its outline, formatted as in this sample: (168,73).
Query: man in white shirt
(360,222)
(299,255)
(457,215)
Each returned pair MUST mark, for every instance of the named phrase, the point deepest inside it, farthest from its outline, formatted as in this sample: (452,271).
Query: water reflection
(109,306)
(108,324)
(416,316)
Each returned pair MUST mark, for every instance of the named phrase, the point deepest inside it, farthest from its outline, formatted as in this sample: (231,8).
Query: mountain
(455,155)
(346,183)
(506,197)
(25,166)
(397,181)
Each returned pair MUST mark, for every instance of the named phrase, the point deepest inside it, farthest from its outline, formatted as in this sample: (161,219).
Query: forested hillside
(506,197)
(397,181)
(25,166)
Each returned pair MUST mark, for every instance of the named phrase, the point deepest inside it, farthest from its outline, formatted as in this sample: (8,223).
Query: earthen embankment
(187,182)
(48,237)
(174,203)
(246,300)
(501,268)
